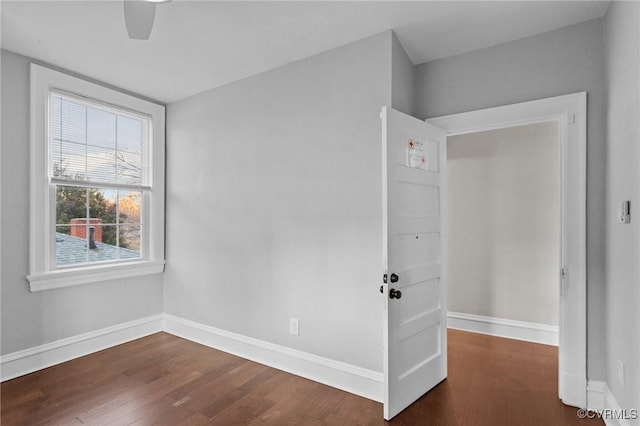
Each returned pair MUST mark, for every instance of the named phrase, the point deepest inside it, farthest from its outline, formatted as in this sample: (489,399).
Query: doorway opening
(504,232)
(568,114)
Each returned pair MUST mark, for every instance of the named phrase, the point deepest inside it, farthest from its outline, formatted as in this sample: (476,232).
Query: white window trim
(41,277)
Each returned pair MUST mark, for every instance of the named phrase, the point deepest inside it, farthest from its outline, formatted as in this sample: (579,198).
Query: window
(97,183)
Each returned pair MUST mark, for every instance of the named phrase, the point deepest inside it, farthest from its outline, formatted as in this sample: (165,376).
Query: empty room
(257,212)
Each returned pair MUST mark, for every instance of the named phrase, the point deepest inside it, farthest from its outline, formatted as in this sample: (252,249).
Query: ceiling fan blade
(138,17)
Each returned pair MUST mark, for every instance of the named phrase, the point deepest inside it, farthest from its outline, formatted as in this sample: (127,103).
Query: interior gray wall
(622,298)
(274,204)
(564,61)
(504,223)
(32,319)
(403,82)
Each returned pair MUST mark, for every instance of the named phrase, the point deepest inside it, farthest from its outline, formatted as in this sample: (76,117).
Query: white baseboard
(33,359)
(616,416)
(595,394)
(500,327)
(604,405)
(347,377)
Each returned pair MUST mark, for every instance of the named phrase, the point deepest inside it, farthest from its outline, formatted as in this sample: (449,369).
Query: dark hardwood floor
(165,380)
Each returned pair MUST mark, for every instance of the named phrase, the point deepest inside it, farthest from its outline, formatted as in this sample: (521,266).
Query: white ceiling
(198,45)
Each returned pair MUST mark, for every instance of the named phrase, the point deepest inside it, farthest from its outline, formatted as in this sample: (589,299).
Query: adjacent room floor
(165,380)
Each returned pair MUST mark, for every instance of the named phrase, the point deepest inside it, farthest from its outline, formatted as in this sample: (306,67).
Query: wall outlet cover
(294,327)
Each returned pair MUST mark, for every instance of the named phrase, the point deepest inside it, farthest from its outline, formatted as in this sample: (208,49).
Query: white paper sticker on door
(416,155)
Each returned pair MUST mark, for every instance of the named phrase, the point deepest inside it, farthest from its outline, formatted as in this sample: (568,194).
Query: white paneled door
(415,339)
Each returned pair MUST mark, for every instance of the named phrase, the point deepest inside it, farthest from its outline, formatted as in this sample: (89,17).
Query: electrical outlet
(621,373)
(294,326)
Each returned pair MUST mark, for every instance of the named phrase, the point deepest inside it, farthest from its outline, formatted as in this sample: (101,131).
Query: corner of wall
(404,96)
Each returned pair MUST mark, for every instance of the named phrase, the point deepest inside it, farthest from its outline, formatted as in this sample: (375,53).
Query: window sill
(71,277)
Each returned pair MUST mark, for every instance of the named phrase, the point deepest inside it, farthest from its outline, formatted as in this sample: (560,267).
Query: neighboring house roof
(73,250)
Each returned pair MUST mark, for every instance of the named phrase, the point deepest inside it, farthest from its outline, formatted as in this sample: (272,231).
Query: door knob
(395,294)
(394,278)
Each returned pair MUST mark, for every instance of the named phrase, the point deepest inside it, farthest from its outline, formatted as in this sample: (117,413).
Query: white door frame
(570,112)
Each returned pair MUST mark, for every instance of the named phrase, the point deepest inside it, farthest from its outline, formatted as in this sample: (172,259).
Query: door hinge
(572,118)
(384,278)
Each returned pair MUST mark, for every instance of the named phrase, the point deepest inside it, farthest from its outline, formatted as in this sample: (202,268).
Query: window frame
(42,274)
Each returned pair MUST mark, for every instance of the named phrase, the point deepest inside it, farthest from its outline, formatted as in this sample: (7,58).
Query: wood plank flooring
(166,380)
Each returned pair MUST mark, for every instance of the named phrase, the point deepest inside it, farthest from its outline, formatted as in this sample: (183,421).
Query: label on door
(416,155)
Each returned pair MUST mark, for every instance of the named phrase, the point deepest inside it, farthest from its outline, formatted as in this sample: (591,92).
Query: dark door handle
(394,278)
(395,294)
